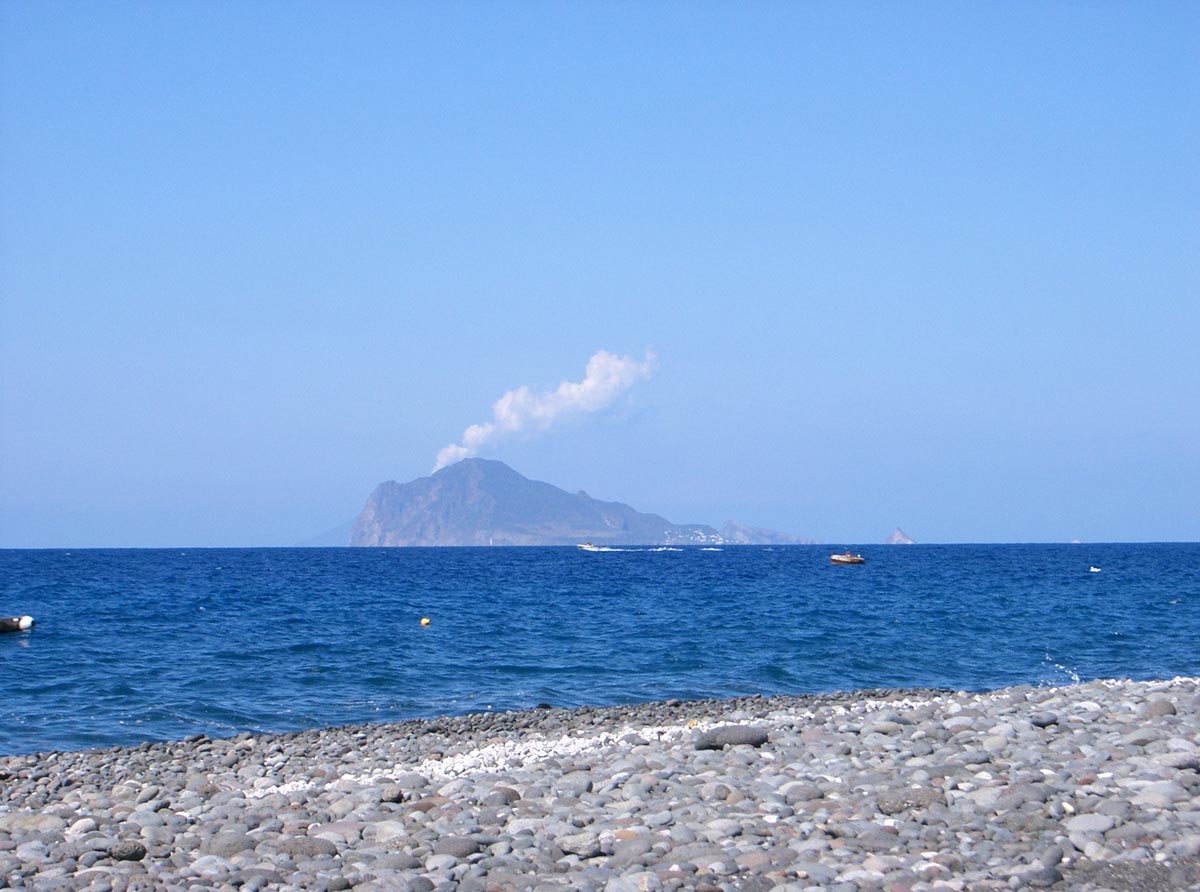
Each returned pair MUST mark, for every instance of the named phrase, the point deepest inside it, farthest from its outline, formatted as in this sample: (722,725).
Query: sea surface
(134,645)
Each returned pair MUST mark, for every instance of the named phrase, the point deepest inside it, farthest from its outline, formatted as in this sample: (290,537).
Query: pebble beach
(1088,787)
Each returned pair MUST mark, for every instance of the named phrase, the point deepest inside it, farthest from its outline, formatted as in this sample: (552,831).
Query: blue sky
(915,264)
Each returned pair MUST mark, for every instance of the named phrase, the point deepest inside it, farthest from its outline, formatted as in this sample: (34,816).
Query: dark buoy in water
(15,623)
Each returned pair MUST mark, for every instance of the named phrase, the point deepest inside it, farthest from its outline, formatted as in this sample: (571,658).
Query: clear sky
(934,265)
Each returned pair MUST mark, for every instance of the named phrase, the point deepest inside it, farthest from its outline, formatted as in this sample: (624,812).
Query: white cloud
(521,410)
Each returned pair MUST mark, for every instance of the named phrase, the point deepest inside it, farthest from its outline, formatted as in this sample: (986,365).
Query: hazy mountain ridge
(739,534)
(485,502)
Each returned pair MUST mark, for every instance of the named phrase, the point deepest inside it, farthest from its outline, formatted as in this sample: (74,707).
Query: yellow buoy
(424,620)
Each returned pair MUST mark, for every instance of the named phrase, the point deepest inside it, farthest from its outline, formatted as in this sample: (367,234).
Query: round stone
(127,850)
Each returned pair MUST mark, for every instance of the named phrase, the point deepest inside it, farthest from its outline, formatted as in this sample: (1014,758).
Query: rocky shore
(1089,787)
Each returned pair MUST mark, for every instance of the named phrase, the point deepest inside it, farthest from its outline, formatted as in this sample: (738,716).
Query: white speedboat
(847,558)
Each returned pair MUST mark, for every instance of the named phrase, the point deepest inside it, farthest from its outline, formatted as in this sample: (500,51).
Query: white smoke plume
(606,378)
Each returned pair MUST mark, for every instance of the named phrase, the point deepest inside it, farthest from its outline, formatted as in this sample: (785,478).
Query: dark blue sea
(134,645)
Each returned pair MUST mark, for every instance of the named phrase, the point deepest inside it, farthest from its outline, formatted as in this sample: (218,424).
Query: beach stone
(821,874)
(972,757)
(128,850)
(985,800)
(1142,737)
(644,881)
(97,842)
(1156,709)
(145,817)
(585,845)
(148,794)
(93,880)
(724,828)
(1185,847)
(895,801)
(956,723)
(1040,877)
(305,846)
(82,826)
(500,796)
(440,862)
(1183,761)
(391,793)
(754,860)
(995,743)
(630,849)
(1093,823)
(36,823)
(385,831)
(800,791)
(525,825)
(35,850)
(410,780)
(344,806)
(458,846)
(576,783)
(658,819)
(731,735)
(1161,794)
(229,843)
(427,804)
(884,727)
(258,881)
(212,866)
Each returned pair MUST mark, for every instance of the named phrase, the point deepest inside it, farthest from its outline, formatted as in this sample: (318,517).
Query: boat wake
(588,546)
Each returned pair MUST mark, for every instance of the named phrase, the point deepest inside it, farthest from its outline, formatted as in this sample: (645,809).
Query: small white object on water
(1093,569)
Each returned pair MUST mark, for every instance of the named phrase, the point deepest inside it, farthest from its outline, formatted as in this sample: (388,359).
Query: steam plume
(606,378)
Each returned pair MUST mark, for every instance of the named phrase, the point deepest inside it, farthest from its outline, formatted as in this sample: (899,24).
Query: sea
(145,645)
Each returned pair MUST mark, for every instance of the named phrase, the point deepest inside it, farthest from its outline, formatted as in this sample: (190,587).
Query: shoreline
(1089,786)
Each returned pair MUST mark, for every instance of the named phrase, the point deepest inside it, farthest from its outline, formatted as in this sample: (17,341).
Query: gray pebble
(731,735)
(459,847)
(229,843)
(128,850)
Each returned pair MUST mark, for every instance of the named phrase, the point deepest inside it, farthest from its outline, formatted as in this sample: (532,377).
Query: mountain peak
(898,537)
(466,465)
